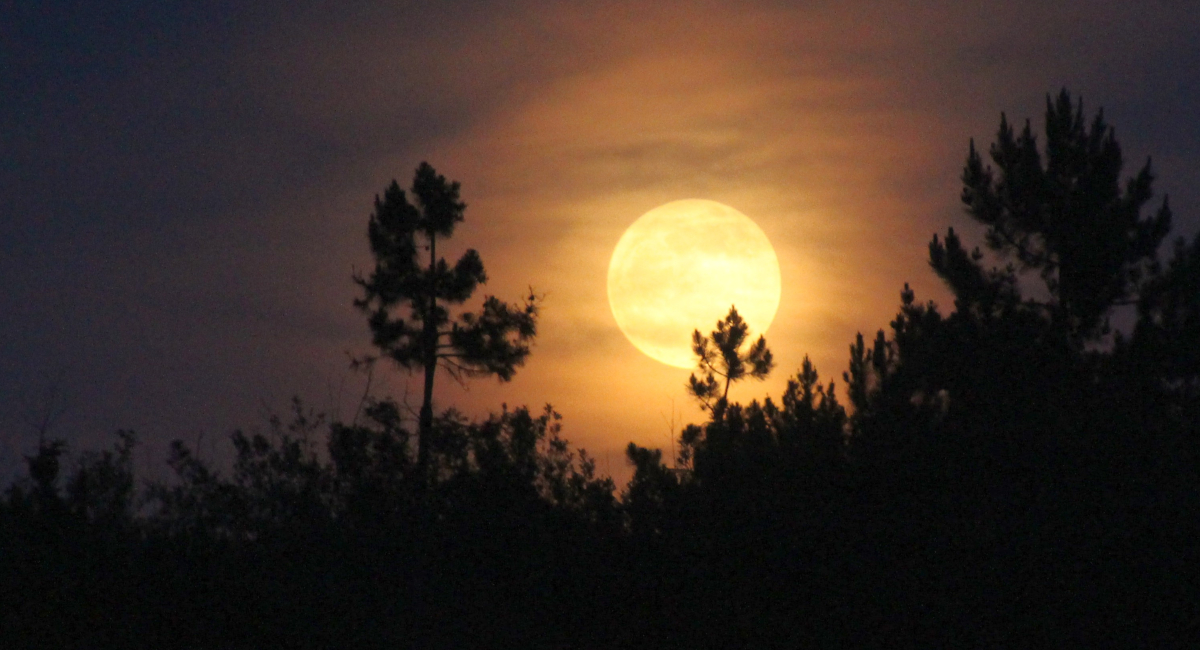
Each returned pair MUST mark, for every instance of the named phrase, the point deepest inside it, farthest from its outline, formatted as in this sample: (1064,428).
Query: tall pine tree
(408,296)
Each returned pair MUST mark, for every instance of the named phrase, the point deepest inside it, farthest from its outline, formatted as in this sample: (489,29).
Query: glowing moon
(680,266)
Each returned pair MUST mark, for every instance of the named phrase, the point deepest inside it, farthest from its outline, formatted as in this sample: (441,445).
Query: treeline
(1010,473)
(342,544)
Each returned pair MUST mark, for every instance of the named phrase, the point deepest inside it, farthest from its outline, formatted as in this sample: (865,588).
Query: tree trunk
(425,423)
(429,342)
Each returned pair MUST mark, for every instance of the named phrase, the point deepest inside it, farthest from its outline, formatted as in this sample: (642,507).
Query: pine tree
(721,356)
(408,295)
(1066,216)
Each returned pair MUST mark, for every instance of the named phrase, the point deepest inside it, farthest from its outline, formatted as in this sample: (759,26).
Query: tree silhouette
(721,357)
(1068,218)
(1168,328)
(997,421)
(407,296)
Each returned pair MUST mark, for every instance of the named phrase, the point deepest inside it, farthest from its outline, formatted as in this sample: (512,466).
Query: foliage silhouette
(410,277)
(1168,326)
(721,356)
(1069,218)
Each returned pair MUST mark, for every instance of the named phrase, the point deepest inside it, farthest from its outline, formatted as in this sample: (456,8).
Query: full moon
(680,267)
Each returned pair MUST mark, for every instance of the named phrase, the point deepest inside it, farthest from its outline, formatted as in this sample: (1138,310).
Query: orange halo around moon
(680,266)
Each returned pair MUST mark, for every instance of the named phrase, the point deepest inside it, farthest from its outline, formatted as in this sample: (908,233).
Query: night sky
(185,187)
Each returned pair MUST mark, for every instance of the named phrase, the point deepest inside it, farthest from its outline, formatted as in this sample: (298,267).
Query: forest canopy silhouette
(1008,471)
